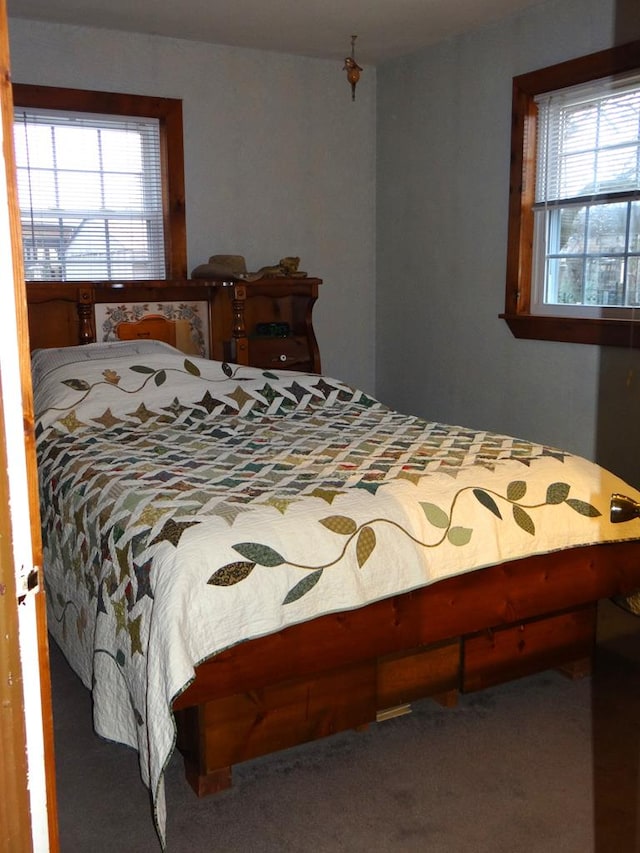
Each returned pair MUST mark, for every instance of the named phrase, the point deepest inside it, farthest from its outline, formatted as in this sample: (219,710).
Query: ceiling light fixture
(352,68)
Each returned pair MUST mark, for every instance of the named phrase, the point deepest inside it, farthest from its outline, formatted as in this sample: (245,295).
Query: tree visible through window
(100,191)
(573,266)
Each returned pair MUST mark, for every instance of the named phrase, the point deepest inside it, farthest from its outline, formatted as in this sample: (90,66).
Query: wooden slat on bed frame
(344,670)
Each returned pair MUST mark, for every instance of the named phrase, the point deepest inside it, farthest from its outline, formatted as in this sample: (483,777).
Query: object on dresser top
(234,267)
(273,330)
(221,267)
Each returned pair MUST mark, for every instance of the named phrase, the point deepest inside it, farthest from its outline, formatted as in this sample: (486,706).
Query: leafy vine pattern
(158,375)
(364,535)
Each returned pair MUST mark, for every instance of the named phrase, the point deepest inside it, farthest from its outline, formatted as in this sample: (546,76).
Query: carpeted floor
(509,769)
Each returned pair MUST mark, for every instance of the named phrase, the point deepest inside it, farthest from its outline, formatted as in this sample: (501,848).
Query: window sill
(602,332)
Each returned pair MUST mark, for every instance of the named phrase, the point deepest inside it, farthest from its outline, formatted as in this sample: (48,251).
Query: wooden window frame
(168,112)
(517,313)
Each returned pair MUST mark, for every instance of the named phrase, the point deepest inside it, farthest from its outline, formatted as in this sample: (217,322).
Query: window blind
(90,194)
(589,142)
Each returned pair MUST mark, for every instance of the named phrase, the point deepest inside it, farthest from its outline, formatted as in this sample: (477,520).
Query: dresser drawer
(404,677)
(280,353)
(492,657)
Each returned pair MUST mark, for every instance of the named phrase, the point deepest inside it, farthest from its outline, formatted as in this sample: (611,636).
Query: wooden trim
(168,111)
(517,312)
(15,820)
(611,333)
(172,152)
(21,321)
(15,834)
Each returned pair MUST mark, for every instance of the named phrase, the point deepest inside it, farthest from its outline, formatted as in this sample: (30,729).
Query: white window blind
(90,195)
(589,141)
(587,205)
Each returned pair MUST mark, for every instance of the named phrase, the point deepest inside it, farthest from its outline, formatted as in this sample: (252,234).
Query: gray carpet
(509,769)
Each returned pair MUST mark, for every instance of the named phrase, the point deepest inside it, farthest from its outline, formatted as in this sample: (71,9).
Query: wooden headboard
(179,312)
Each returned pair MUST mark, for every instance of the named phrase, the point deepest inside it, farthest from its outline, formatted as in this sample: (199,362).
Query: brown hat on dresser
(220,266)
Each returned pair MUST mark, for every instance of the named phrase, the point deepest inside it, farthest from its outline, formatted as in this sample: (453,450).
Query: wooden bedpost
(239,332)
(86,331)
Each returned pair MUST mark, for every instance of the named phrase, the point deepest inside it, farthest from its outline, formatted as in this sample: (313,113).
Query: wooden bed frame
(348,669)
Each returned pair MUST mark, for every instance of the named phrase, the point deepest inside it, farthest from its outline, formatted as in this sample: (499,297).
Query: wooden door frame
(14,798)
(28,805)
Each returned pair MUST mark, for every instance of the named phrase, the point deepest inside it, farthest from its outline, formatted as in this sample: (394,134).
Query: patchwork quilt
(189,505)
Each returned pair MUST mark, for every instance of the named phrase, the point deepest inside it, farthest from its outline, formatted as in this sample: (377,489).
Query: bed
(238,560)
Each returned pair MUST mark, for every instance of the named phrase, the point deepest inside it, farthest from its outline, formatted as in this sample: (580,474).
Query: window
(587,209)
(573,257)
(100,185)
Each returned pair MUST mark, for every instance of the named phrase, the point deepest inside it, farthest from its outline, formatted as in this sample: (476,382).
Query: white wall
(278,159)
(443,169)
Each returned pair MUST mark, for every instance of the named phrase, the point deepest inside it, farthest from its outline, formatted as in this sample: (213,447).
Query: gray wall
(278,159)
(443,167)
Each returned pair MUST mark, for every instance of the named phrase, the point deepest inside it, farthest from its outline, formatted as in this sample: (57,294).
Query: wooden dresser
(266,323)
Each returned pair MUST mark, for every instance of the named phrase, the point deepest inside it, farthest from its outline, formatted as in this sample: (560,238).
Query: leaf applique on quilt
(303,587)
(172,531)
(365,538)
(232,573)
(71,422)
(143,414)
(106,419)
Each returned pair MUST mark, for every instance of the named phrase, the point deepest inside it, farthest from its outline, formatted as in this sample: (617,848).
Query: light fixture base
(623,508)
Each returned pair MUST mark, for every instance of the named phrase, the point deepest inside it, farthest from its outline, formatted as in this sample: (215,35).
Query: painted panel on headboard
(189,322)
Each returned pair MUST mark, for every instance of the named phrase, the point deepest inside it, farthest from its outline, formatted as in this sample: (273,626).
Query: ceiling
(316,28)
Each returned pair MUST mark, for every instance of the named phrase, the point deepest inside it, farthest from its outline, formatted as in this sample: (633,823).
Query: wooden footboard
(346,670)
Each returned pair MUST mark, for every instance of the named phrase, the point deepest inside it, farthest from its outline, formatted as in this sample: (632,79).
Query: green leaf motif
(191,368)
(557,493)
(140,368)
(516,490)
(340,524)
(459,535)
(269,375)
(120,658)
(366,544)
(77,384)
(487,501)
(436,516)
(231,574)
(263,555)
(524,520)
(123,560)
(160,377)
(226,369)
(303,586)
(584,508)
